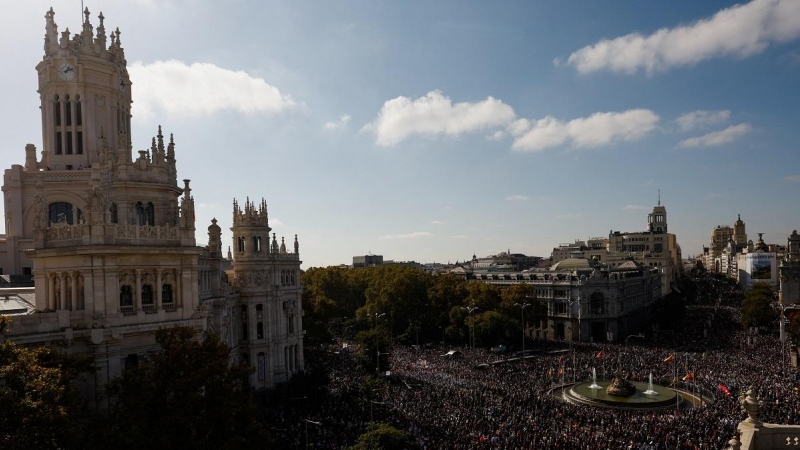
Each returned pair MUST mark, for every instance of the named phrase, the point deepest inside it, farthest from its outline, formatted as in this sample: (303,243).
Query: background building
(367,260)
(585,300)
(655,247)
(789,271)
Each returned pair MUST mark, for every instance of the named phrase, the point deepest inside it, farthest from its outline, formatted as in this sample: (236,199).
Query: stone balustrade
(164,232)
(756,435)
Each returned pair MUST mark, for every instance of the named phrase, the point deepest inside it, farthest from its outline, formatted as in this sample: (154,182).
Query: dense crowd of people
(475,401)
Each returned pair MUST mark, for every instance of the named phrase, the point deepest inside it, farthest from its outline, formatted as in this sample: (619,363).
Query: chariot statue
(621,385)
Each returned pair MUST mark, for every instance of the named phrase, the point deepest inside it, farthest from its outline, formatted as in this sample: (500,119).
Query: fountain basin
(663,397)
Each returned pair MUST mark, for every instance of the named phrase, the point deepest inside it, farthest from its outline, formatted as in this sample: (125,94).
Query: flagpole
(675,382)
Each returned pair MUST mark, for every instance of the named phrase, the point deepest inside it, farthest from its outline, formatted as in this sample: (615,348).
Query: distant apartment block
(367,261)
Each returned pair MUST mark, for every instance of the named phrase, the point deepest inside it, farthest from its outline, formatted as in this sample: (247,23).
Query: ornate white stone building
(109,234)
(655,247)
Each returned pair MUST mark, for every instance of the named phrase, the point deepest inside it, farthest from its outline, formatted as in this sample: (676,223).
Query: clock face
(66,72)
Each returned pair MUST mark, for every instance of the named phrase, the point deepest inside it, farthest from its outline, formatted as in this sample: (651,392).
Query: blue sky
(430,131)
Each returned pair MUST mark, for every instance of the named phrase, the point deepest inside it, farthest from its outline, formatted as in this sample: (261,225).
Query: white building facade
(109,234)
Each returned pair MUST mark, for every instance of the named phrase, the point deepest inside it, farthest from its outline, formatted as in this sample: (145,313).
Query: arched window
(57,111)
(138,213)
(125,296)
(114,213)
(78,112)
(149,214)
(241,242)
(59,143)
(597,303)
(257,244)
(67,111)
(61,212)
(147,294)
(166,293)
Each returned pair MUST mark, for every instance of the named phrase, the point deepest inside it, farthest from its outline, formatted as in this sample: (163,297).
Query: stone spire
(100,38)
(87,34)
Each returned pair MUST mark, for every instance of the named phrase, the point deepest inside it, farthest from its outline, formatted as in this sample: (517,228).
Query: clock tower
(85,97)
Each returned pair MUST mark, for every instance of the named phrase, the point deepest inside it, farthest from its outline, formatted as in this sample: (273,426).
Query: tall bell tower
(85,96)
(269,309)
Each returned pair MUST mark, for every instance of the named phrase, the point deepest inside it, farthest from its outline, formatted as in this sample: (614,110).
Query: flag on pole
(724,389)
(600,354)
(670,358)
(689,376)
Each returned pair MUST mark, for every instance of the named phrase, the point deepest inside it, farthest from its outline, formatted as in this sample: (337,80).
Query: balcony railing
(126,309)
(149,309)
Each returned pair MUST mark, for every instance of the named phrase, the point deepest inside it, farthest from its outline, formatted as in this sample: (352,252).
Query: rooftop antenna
(659,197)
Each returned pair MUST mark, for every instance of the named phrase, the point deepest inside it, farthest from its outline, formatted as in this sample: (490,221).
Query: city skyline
(432,132)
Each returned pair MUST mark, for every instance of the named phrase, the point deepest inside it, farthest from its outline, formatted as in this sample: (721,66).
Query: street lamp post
(571,351)
(471,310)
(783,334)
(312,422)
(640,336)
(377,345)
(522,307)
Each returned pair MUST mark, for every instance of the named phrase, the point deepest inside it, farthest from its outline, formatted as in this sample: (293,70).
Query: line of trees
(413,306)
(185,395)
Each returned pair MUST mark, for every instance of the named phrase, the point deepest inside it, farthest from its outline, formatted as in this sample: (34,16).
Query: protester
(450,403)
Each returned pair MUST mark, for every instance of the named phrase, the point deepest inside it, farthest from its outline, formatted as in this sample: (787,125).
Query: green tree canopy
(757,308)
(186,395)
(382,436)
(371,344)
(38,402)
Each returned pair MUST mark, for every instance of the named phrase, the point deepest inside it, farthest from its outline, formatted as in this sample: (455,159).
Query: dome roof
(572,264)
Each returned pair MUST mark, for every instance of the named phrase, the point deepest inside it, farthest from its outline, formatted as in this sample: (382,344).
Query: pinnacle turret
(250,215)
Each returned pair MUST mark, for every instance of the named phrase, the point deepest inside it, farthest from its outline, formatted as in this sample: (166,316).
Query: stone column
(137,296)
(158,289)
(51,291)
(62,291)
(73,293)
(178,300)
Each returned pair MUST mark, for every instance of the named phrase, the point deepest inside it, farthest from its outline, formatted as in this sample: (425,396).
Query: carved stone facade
(585,302)
(110,238)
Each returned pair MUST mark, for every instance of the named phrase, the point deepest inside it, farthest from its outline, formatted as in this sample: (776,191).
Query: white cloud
(414,235)
(715,138)
(695,119)
(739,31)
(792,178)
(176,88)
(437,222)
(594,131)
(517,198)
(434,114)
(341,123)
(496,136)
(632,208)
